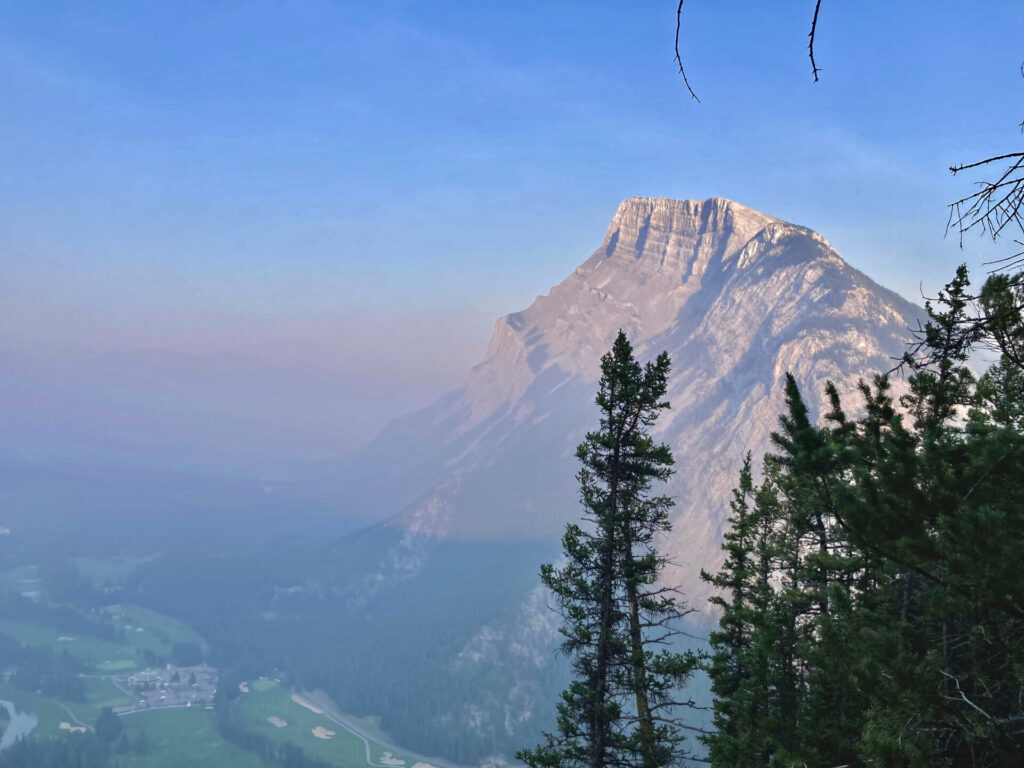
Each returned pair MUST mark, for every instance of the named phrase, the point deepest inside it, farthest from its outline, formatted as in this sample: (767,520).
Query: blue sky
(363,187)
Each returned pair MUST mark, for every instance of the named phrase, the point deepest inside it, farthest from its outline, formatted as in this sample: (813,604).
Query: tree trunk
(645,724)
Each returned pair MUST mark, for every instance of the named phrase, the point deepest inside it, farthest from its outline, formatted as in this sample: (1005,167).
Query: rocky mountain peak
(656,256)
(675,222)
(737,298)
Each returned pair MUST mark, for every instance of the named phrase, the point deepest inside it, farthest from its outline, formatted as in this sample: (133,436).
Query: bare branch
(810,44)
(955,169)
(996,204)
(1012,261)
(679,58)
(964,695)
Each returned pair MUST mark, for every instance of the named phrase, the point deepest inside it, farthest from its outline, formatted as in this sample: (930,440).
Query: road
(72,716)
(340,719)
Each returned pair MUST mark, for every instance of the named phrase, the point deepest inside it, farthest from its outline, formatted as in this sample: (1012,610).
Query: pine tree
(887,625)
(620,708)
(737,667)
(108,726)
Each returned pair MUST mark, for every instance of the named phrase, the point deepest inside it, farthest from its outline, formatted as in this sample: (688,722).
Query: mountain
(736,297)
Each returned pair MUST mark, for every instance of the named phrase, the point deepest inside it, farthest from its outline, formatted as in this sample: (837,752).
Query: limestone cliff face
(653,260)
(736,297)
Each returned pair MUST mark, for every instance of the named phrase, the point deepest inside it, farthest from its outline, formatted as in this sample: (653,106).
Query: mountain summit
(736,297)
(656,255)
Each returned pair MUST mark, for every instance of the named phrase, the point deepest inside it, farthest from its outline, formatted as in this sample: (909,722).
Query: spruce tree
(887,626)
(620,708)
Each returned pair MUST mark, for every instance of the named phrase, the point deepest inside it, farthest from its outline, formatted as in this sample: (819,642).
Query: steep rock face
(653,260)
(737,297)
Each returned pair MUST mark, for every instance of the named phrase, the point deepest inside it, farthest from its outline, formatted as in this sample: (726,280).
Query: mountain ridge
(737,298)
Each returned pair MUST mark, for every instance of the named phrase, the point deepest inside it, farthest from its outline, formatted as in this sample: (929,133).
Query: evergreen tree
(108,726)
(871,598)
(737,669)
(620,709)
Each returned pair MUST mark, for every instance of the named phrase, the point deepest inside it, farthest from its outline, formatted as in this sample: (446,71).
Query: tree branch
(679,58)
(810,44)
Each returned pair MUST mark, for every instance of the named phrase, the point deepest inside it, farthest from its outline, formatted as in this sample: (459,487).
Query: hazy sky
(350,193)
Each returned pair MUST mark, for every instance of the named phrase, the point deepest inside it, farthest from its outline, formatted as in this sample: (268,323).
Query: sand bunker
(72,728)
(422,765)
(322,733)
(243,687)
(388,759)
(277,722)
(303,703)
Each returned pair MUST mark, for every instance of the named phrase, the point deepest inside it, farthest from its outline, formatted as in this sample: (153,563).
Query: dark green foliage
(108,726)
(64,583)
(621,708)
(75,750)
(872,605)
(39,668)
(186,654)
(80,750)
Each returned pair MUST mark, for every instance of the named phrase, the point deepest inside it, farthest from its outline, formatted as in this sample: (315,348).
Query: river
(20,724)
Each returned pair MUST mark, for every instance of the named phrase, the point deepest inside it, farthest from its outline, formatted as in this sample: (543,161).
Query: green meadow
(269,709)
(144,630)
(183,737)
(99,654)
(148,630)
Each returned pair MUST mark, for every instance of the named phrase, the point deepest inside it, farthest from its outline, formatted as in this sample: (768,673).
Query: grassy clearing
(183,737)
(263,684)
(148,630)
(120,665)
(99,693)
(90,650)
(266,700)
(144,630)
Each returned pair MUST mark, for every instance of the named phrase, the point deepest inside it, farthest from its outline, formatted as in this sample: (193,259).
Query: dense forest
(872,609)
(38,668)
